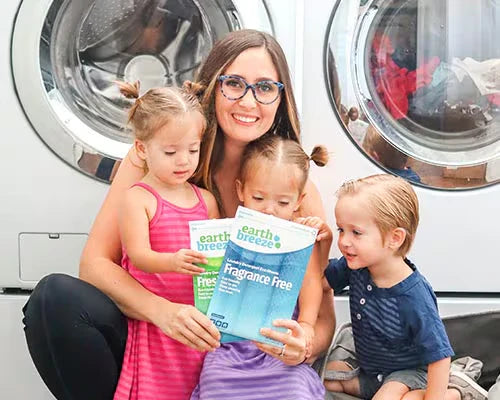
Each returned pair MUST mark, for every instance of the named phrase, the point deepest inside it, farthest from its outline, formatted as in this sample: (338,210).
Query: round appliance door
(67,54)
(416,84)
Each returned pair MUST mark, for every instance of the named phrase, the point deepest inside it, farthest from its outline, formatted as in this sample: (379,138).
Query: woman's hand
(187,325)
(293,351)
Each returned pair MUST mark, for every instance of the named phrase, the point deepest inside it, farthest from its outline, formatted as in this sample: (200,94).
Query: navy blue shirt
(406,173)
(395,328)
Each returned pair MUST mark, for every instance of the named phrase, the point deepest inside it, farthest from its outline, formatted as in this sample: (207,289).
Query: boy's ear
(239,190)
(299,201)
(140,149)
(396,238)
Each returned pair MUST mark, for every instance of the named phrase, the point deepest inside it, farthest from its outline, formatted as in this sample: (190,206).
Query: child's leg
(391,391)
(451,394)
(398,391)
(350,387)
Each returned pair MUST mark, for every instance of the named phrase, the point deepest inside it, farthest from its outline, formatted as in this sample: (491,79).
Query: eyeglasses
(234,88)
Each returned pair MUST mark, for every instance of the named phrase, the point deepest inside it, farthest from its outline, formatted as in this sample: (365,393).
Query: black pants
(76,337)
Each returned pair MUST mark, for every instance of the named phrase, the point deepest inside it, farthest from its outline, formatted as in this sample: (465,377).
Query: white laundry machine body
(63,123)
(383,61)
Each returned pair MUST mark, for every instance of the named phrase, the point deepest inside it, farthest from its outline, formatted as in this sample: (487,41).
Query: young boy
(401,344)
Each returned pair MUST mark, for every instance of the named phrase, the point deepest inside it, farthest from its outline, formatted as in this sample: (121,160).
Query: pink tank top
(156,367)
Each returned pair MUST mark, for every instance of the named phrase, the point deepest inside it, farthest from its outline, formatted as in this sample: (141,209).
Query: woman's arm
(325,324)
(99,265)
(310,297)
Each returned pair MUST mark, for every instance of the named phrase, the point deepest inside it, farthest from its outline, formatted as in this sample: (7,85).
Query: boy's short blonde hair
(392,202)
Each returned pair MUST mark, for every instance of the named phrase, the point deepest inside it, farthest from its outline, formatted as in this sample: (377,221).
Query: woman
(78,347)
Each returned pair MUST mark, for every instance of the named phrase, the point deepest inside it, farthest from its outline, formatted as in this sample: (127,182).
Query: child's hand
(309,333)
(183,262)
(324,231)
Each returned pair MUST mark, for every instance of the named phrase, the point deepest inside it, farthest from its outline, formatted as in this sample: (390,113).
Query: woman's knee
(51,289)
(63,299)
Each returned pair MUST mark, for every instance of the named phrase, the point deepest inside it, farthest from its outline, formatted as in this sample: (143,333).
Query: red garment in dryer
(494,99)
(393,83)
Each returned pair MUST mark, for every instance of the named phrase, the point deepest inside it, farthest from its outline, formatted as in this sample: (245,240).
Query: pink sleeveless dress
(156,367)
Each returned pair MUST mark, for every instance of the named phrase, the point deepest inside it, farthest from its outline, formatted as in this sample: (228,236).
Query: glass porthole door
(416,84)
(67,54)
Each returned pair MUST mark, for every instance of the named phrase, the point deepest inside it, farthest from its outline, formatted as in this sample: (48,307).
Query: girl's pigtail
(130,91)
(194,88)
(319,155)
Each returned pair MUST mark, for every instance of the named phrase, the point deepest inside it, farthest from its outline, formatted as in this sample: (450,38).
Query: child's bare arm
(137,210)
(324,237)
(437,379)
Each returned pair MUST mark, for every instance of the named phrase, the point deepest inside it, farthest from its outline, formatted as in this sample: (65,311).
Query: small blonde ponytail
(319,155)
(130,91)
(194,88)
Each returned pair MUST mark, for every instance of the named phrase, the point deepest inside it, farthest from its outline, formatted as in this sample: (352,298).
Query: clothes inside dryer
(422,81)
(419,81)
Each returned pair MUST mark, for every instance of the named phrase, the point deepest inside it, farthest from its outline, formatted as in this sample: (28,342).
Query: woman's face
(246,119)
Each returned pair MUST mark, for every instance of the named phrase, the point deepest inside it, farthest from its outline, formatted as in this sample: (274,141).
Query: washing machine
(63,123)
(412,88)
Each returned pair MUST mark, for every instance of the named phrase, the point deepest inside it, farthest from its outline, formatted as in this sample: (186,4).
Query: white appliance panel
(455,245)
(41,194)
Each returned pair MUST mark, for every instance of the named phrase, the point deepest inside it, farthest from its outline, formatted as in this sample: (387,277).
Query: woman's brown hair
(278,149)
(224,52)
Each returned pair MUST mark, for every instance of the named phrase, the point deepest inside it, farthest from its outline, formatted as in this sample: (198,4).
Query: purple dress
(240,371)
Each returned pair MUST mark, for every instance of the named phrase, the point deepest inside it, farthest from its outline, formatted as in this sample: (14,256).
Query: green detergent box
(209,237)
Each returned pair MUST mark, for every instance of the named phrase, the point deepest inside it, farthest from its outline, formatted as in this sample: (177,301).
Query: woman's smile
(245,119)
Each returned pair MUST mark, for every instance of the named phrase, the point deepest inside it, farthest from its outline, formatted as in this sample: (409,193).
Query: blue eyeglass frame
(252,86)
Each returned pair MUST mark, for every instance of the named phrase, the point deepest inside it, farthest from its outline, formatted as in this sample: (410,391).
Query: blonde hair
(280,150)
(391,200)
(222,55)
(157,107)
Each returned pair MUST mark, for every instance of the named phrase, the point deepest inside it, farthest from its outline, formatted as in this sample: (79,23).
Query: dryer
(412,87)
(63,123)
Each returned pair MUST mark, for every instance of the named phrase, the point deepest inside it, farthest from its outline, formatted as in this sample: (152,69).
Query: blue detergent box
(261,274)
